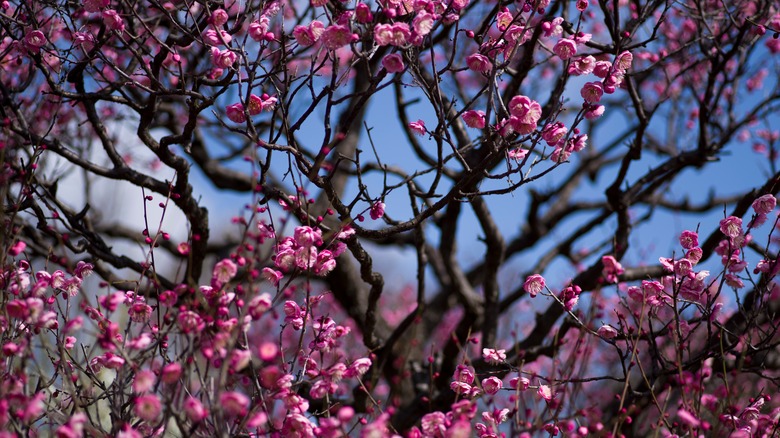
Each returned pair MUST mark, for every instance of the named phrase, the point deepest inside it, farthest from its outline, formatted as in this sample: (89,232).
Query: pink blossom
(553,28)
(377,210)
(689,239)
(545,392)
(170,373)
(623,61)
(602,68)
(519,383)
(358,367)
(459,5)
(534,284)
(255,104)
(594,112)
(257,29)
(688,419)
(582,66)
(233,403)
(565,48)
(363,13)
(569,296)
(219,17)
(612,268)
(224,271)
(479,63)
(607,332)
(143,381)
(464,374)
(17,248)
(35,39)
(492,385)
(214,37)
(140,312)
(554,132)
(417,127)
(272,276)
(147,407)
(74,428)
(259,305)
(236,114)
(765,204)
(113,20)
(592,92)
(517,154)
(434,424)
(526,110)
(307,236)
(493,356)
(393,63)
(337,36)
(682,267)
(397,34)
(194,409)
(731,226)
(474,119)
(190,322)
(325,263)
(423,23)
(307,36)
(223,58)
(33,408)
(95,5)
(297,425)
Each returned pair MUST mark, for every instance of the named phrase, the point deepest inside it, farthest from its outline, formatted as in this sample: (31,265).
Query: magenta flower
(731,226)
(417,127)
(143,381)
(479,63)
(534,284)
(224,271)
(607,332)
(258,29)
(190,322)
(526,110)
(194,409)
(95,5)
(492,385)
(623,61)
(236,114)
(565,48)
(113,20)
(223,58)
(519,383)
(337,36)
(493,356)
(423,23)
(545,392)
(35,39)
(219,17)
(17,248)
(612,268)
(765,204)
(147,407)
(393,63)
(474,119)
(170,373)
(554,132)
(233,403)
(377,210)
(592,92)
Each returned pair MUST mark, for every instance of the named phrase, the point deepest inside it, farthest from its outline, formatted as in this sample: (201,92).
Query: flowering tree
(587,119)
